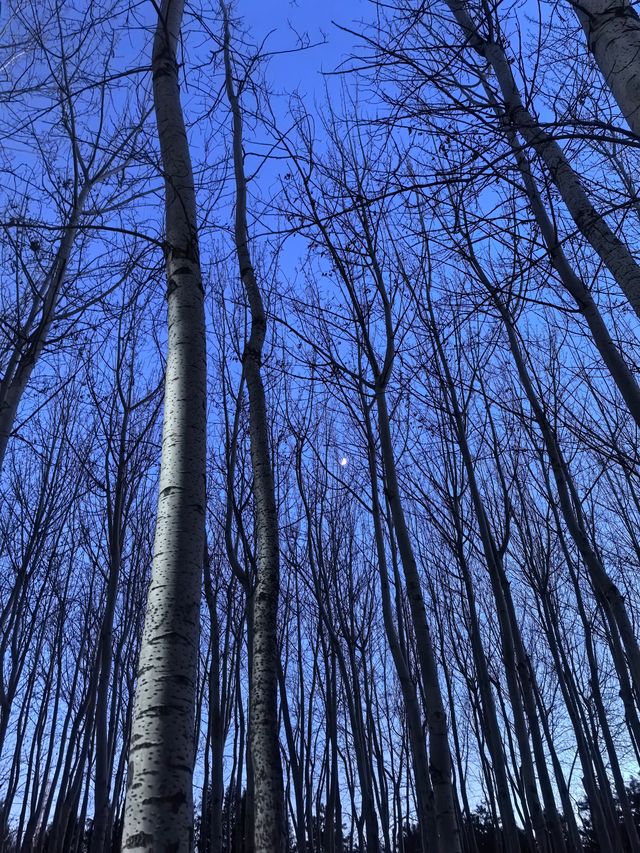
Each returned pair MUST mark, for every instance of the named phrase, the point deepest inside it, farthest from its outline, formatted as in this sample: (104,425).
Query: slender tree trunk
(569,692)
(574,285)
(159,800)
(590,222)
(439,753)
(26,353)
(516,665)
(99,837)
(269,815)
(603,720)
(212,817)
(295,767)
(424,792)
(489,714)
(571,508)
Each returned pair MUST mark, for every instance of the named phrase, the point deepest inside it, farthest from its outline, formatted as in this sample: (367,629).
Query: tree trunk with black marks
(159,800)
(612,28)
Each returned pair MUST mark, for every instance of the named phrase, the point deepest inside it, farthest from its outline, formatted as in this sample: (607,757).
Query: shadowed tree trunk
(612,28)
(269,828)
(590,222)
(424,792)
(33,336)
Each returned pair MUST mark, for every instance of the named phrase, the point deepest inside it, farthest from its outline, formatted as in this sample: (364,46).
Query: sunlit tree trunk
(159,800)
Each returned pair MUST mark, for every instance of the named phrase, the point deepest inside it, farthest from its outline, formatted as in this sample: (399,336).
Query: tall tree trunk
(99,839)
(159,800)
(212,819)
(269,813)
(590,222)
(612,28)
(515,660)
(606,589)
(439,753)
(424,792)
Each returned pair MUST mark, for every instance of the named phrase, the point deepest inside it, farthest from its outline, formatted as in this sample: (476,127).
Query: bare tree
(269,818)
(159,805)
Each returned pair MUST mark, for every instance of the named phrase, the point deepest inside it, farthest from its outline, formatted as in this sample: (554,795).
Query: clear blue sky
(310,17)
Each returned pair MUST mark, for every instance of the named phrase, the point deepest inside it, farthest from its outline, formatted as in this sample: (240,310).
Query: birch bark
(159,800)
(612,28)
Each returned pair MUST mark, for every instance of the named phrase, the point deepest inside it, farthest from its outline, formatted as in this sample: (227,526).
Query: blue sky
(288,17)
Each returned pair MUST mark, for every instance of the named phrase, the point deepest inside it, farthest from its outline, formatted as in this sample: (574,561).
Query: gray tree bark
(159,800)
(269,827)
(612,28)
(613,252)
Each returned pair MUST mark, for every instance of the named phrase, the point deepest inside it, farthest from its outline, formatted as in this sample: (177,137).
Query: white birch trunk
(159,802)
(612,28)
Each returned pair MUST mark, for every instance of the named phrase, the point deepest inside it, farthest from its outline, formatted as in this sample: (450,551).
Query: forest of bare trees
(320,426)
